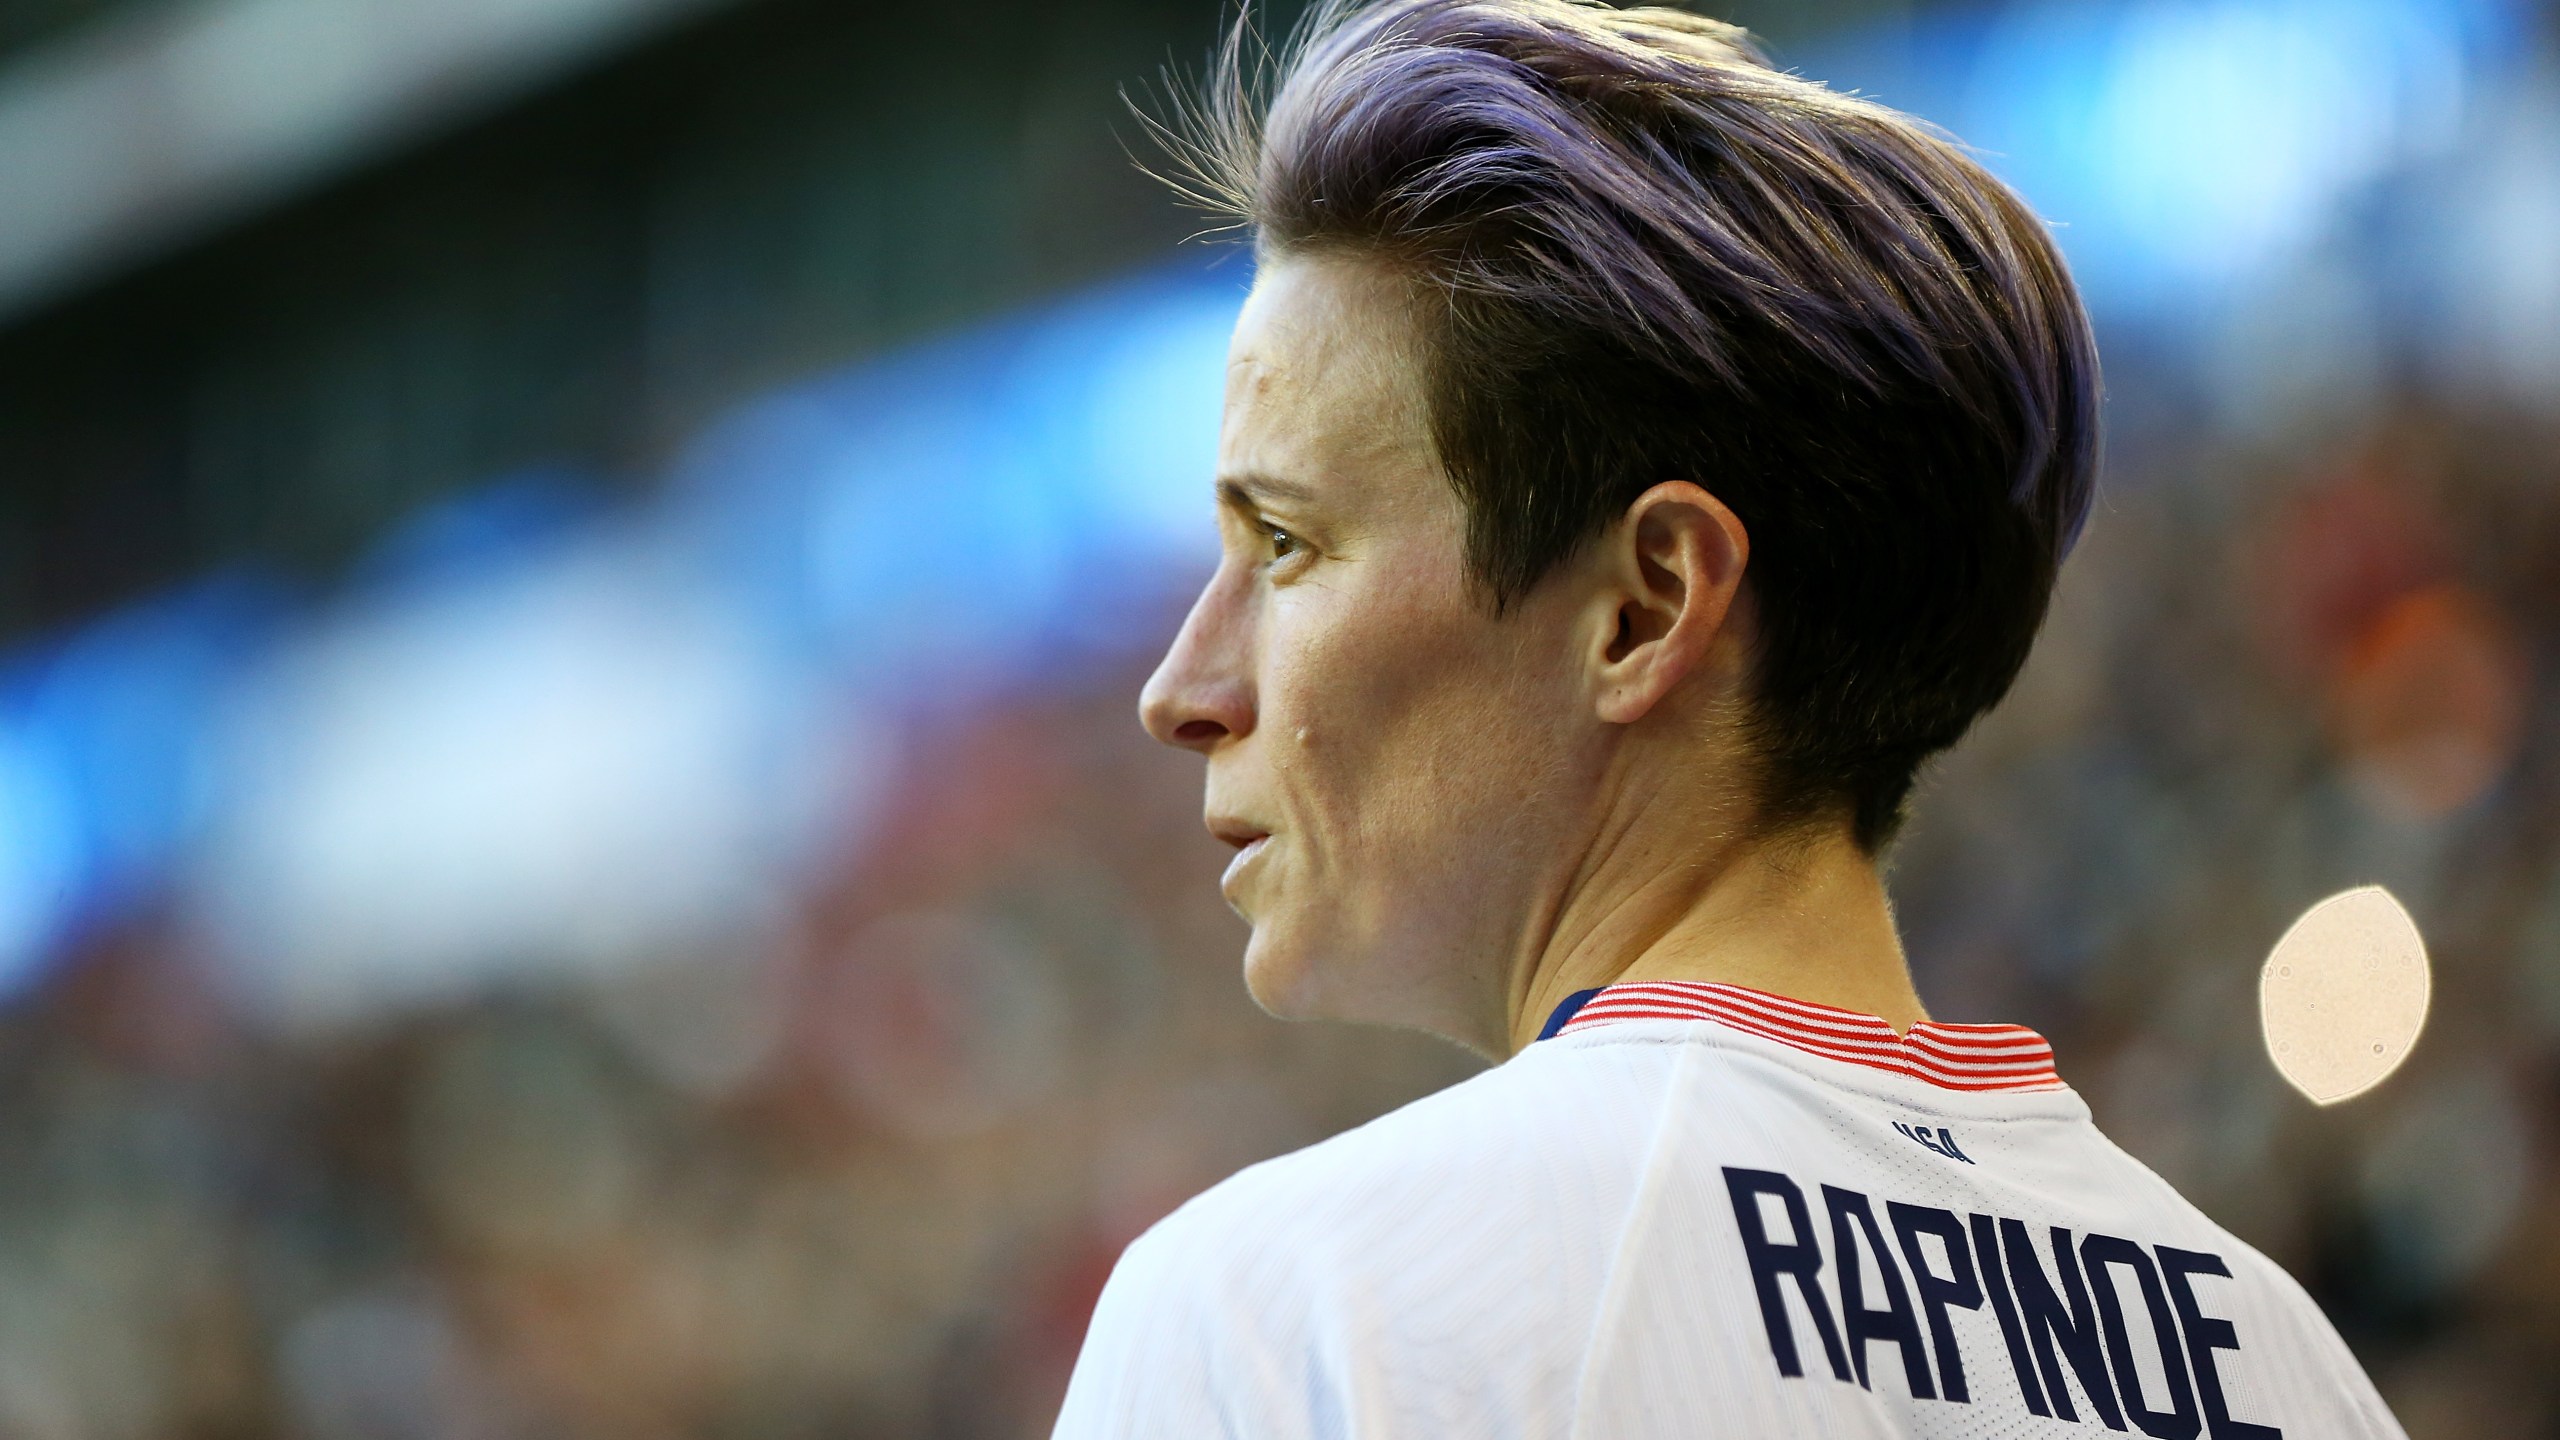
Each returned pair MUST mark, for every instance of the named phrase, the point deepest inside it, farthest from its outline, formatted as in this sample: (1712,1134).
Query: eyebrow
(1252,490)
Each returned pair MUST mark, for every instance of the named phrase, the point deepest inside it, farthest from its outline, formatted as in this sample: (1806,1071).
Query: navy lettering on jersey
(2206,1334)
(1986,1252)
(1771,1262)
(2065,1324)
(1895,1321)
(1939,1293)
(2179,1421)
(2064,1309)
(1943,1142)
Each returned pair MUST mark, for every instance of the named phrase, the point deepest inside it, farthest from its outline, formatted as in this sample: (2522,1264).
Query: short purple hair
(1647,255)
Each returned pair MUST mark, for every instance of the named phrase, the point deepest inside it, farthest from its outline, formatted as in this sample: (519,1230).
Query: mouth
(1236,832)
(1248,841)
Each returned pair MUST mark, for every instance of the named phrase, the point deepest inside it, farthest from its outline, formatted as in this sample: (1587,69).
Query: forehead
(1322,375)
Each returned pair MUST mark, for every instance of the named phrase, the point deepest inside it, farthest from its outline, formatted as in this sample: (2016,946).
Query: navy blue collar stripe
(1565,1012)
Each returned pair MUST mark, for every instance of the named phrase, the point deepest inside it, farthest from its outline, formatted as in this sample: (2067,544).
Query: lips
(1244,857)
(1236,832)
(1249,841)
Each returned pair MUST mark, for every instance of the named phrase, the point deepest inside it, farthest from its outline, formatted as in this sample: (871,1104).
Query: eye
(1283,544)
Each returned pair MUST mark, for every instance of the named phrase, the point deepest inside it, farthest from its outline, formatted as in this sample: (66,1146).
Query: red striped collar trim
(1952,1057)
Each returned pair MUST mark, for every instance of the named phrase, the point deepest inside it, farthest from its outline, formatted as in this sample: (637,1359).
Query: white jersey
(1705,1211)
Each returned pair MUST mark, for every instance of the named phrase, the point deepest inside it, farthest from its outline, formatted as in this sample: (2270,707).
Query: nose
(1202,691)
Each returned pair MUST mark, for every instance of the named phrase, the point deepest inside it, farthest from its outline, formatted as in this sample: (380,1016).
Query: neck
(1804,916)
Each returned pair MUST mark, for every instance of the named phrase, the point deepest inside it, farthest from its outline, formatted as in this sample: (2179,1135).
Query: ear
(1669,572)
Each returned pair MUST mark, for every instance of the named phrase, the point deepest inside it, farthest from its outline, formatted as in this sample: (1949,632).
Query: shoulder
(1549,1131)
(2261,1345)
(1377,1269)
(2310,1368)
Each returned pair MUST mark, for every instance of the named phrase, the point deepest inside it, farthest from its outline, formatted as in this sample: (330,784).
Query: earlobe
(1672,565)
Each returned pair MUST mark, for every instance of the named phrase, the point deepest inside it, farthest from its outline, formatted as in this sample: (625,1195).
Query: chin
(1294,975)
(1275,983)
(1282,977)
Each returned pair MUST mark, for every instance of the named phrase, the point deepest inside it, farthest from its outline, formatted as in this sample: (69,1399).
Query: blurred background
(574,853)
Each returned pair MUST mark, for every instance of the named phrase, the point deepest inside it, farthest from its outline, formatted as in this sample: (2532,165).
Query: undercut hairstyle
(1645,255)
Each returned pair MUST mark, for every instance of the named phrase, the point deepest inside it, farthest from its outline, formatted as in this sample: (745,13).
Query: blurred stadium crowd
(665,925)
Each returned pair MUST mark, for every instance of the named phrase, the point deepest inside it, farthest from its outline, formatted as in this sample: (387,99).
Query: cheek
(1398,715)
(1352,666)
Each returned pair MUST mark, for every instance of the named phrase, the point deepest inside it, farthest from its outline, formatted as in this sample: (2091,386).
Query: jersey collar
(1952,1057)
